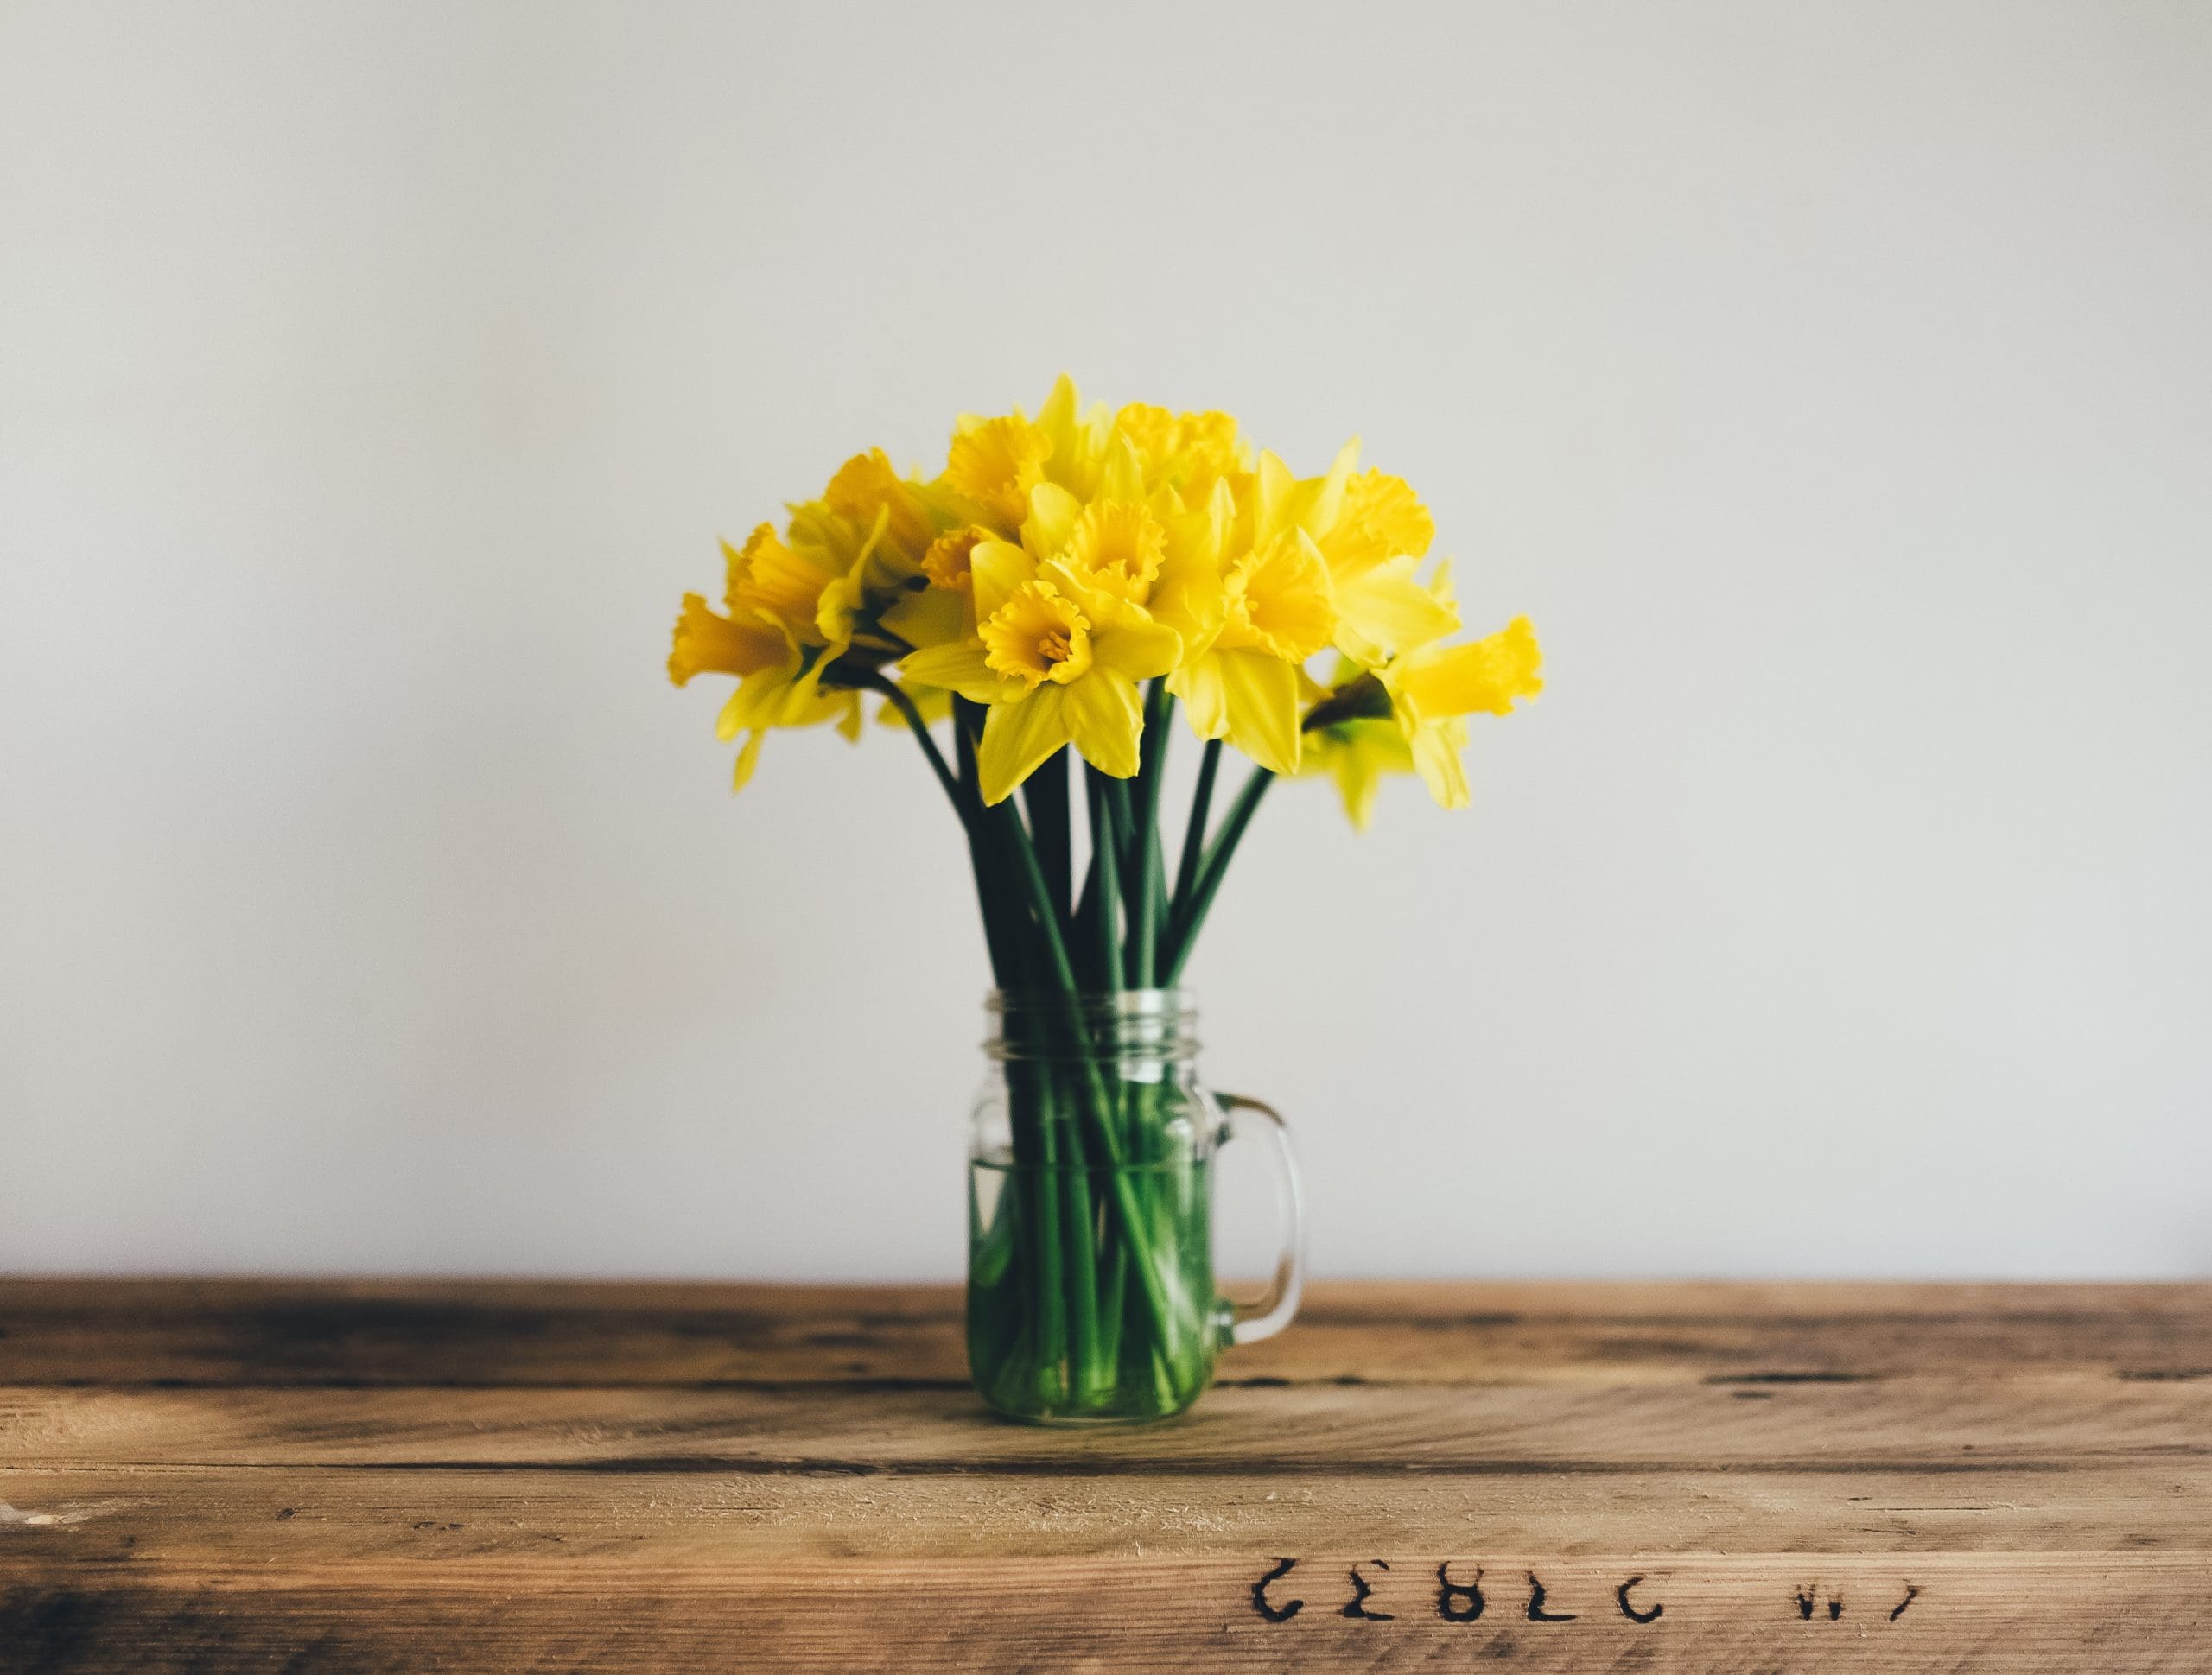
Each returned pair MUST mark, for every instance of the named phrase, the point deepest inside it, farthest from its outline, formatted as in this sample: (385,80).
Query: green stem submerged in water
(1089,1295)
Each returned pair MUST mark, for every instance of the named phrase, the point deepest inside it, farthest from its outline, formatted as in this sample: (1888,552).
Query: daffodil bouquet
(1052,594)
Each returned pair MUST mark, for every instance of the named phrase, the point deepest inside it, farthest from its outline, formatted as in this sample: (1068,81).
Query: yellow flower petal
(1132,645)
(1192,451)
(1440,583)
(931,616)
(960,667)
(1382,611)
(1123,478)
(705,642)
(1487,676)
(1275,494)
(1357,780)
(866,487)
(1104,718)
(933,703)
(1380,518)
(995,462)
(1053,513)
(1436,759)
(835,611)
(756,701)
(1357,754)
(1320,502)
(1261,696)
(780,582)
(1151,430)
(1188,595)
(996,568)
(748,757)
(1206,696)
(1018,737)
(1076,438)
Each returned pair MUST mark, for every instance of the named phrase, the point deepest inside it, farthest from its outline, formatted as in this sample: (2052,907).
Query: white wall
(1832,385)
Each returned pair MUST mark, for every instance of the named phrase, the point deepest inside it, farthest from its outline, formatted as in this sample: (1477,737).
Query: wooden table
(472,1476)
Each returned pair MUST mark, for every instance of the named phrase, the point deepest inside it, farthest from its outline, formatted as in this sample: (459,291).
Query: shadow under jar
(1090,1289)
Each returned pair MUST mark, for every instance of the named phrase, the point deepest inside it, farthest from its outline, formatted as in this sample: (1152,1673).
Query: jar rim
(1178,1002)
(1131,1024)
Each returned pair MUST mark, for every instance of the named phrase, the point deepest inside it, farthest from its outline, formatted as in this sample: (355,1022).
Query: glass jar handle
(1250,1323)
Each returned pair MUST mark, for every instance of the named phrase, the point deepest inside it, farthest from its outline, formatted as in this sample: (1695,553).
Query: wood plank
(495,1334)
(220,1475)
(1943,1425)
(1951,1613)
(194,1518)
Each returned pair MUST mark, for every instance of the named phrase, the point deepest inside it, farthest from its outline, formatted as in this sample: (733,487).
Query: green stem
(1127,864)
(1083,934)
(1066,1270)
(1113,1294)
(1097,1106)
(996,928)
(1219,852)
(1052,1312)
(1045,796)
(1194,831)
(1104,853)
(1034,1186)
(1144,927)
(1122,827)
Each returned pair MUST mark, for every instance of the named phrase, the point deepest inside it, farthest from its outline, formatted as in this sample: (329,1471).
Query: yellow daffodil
(994,463)
(773,688)
(706,643)
(1433,687)
(1057,660)
(940,604)
(867,487)
(1243,684)
(1188,453)
(770,640)
(778,581)
(872,528)
(1144,546)
(1372,534)
(1078,438)
(1118,546)
(1358,753)
(1410,715)
(1056,562)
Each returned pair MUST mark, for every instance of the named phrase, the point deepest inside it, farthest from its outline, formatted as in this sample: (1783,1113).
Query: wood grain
(1940,1425)
(503,1334)
(225,1475)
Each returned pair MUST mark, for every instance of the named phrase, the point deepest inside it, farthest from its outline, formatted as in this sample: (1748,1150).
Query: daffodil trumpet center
(1278,602)
(1118,546)
(1038,635)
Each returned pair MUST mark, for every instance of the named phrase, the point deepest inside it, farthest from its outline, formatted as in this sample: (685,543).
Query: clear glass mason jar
(1090,1291)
